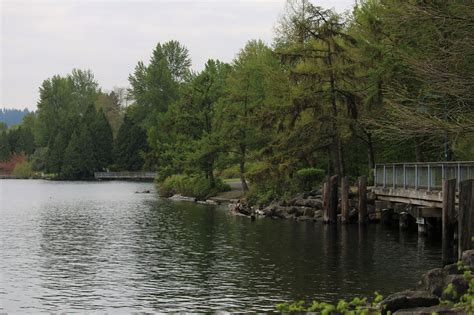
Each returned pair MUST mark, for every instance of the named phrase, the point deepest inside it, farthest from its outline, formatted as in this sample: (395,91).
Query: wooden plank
(412,201)
(448,217)
(345,200)
(362,183)
(429,212)
(420,194)
(466,208)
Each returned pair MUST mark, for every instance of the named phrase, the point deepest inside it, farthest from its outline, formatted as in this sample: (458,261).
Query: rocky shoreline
(447,284)
(303,207)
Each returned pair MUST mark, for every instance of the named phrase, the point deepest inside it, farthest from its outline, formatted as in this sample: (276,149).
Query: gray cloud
(42,38)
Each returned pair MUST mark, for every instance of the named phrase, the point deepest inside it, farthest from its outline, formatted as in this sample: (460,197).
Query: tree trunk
(243,181)
(418,151)
(370,151)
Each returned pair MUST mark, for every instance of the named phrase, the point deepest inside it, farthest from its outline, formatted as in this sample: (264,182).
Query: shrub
(309,177)
(262,195)
(191,186)
(23,170)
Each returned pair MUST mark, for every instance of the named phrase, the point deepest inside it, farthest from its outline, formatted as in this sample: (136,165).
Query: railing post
(384,176)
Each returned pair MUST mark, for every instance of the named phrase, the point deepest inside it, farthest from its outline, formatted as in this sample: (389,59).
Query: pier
(428,193)
(145,176)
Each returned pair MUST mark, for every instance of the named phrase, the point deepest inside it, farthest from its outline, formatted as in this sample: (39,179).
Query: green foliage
(191,186)
(466,301)
(5,151)
(130,144)
(110,105)
(353,307)
(308,178)
(102,140)
(23,170)
(78,162)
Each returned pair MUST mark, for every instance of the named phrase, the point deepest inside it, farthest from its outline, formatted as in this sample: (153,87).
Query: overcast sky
(41,38)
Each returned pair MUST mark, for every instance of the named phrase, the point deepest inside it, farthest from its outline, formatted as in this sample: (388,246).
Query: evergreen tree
(78,162)
(102,141)
(4,146)
(130,144)
(55,153)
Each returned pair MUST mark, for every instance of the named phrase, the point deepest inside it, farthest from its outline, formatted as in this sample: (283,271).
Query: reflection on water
(75,246)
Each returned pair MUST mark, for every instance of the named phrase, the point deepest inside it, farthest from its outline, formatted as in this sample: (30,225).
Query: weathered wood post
(448,217)
(333,199)
(345,200)
(362,188)
(465,216)
(326,196)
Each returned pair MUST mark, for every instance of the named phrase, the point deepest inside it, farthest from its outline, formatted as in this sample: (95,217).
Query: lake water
(99,246)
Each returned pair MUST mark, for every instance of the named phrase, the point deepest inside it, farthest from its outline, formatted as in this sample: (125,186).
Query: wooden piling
(465,216)
(333,199)
(362,188)
(326,196)
(448,217)
(345,200)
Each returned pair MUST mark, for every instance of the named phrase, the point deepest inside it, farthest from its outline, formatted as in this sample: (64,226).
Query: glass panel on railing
(436,177)
(410,176)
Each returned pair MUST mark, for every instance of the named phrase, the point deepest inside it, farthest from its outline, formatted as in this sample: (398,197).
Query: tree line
(333,94)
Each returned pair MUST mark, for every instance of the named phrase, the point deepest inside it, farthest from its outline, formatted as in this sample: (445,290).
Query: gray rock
(438,309)
(318,213)
(308,212)
(468,258)
(304,218)
(433,281)
(452,269)
(408,299)
(460,285)
(311,203)
(315,193)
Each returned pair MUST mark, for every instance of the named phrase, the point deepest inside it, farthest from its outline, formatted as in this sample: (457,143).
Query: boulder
(311,203)
(315,193)
(468,258)
(241,208)
(433,281)
(452,269)
(459,286)
(408,299)
(438,309)
(318,214)
(309,212)
(303,218)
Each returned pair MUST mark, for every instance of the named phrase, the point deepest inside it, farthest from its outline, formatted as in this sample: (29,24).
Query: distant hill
(12,116)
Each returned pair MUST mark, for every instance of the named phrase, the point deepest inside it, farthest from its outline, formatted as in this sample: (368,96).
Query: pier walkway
(125,175)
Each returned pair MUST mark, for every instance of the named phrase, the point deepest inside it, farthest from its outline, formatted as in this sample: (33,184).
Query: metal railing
(111,175)
(427,176)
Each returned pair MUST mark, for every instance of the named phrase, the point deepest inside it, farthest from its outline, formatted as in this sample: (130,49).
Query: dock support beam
(330,200)
(362,183)
(345,200)
(465,217)
(448,217)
